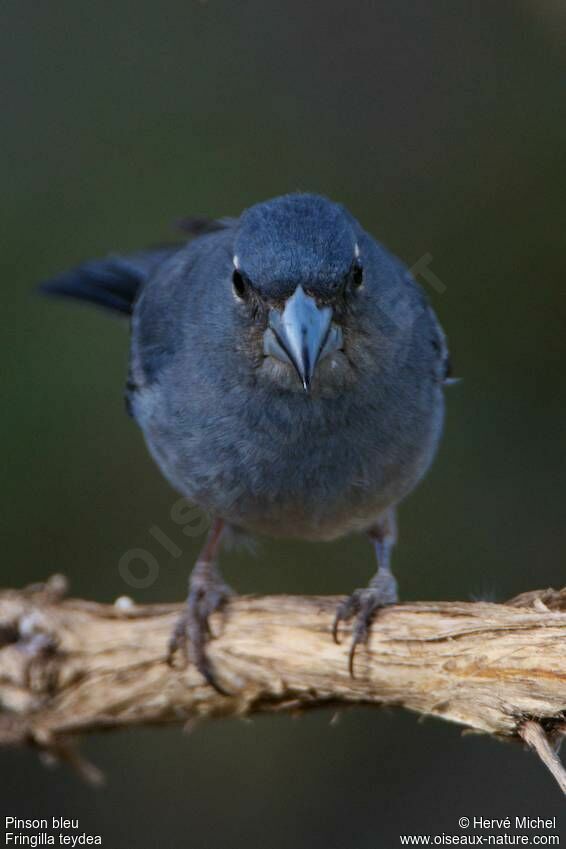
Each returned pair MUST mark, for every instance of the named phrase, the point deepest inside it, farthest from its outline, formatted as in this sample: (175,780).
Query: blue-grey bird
(287,373)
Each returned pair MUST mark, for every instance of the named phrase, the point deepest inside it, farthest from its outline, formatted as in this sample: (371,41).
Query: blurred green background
(442,126)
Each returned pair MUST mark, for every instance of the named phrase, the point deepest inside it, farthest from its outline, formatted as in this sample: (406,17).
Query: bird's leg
(207,594)
(382,589)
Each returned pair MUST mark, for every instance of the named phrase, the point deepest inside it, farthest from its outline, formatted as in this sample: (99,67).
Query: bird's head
(297,270)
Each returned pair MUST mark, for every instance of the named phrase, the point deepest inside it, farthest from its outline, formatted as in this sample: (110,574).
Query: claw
(178,640)
(335,629)
(362,604)
(344,612)
(351,656)
(193,627)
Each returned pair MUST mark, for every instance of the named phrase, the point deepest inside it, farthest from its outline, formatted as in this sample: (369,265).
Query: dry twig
(70,666)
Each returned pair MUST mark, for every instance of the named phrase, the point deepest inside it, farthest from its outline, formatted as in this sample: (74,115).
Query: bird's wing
(440,344)
(443,363)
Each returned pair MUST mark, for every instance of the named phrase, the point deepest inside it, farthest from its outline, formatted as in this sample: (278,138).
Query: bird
(287,372)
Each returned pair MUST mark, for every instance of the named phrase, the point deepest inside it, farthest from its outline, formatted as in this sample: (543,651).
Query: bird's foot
(363,604)
(207,594)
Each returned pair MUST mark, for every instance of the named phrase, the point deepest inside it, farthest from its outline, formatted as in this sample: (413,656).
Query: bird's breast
(289,465)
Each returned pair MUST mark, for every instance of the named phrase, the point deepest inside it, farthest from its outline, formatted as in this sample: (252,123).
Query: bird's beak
(301,335)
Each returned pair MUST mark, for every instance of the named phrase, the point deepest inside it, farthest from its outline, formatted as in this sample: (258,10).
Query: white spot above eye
(236,262)
(356,250)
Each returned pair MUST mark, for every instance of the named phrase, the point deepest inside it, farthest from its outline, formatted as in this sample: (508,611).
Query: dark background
(441,125)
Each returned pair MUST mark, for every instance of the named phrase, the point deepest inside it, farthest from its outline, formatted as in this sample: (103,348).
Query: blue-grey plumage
(286,370)
(233,429)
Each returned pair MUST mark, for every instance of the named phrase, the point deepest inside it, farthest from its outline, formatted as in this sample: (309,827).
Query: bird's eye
(239,284)
(357,275)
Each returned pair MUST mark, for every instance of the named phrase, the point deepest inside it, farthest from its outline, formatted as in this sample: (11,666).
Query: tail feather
(112,283)
(98,283)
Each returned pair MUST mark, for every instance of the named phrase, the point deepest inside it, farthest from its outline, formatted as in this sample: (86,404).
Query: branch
(70,666)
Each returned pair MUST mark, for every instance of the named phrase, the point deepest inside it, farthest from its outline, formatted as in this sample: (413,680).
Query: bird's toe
(192,630)
(345,611)
(362,607)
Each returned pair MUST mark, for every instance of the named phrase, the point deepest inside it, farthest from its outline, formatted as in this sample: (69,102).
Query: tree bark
(69,666)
